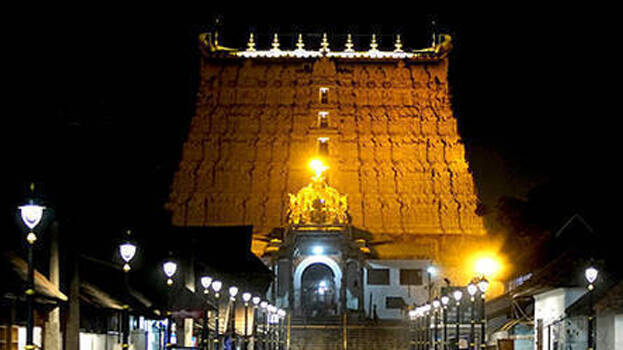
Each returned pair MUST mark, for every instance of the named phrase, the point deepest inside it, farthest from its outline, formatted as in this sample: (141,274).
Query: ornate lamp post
(31,215)
(256,301)
(483,284)
(169,267)
(436,310)
(233,291)
(427,334)
(458,294)
(206,282)
(246,297)
(216,286)
(591,275)
(264,307)
(272,310)
(127,250)
(471,290)
(444,301)
(281,314)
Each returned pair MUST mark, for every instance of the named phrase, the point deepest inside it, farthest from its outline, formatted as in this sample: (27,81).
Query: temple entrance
(318,291)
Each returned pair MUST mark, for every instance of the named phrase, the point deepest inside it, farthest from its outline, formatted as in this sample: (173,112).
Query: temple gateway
(347,163)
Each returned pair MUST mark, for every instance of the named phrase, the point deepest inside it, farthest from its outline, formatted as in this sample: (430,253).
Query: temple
(390,192)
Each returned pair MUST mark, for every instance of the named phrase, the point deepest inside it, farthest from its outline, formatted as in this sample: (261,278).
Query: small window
(394,303)
(410,277)
(323,119)
(378,277)
(323,146)
(324,96)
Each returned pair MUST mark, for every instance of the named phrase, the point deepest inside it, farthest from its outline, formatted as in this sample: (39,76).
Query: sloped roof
(19,268)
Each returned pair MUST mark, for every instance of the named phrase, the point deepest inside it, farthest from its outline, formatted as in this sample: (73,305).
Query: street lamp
(246,297)
(31,215)
(264,307)
(127,250)
(233,291)
(256,301)
(216,286)
(458,294)
(206,281)
(169,267)
(436,305)
(444,301)
(280,336)
(471,290)
(483,284)
(591,275)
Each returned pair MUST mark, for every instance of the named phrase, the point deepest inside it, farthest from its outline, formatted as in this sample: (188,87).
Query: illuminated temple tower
(381,121)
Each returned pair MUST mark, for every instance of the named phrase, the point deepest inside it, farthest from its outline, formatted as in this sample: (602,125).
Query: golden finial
(349,44)
(251,43)
(324,45)
(373,44)
(398,44)
(300,45)
(276,42)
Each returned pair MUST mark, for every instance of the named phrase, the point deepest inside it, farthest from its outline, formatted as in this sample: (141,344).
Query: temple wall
(394,147)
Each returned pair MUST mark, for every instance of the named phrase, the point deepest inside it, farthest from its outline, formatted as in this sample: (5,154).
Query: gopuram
(390,191)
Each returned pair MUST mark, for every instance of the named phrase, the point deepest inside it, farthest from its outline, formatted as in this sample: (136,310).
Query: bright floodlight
(318,166)
(206,281)
(246,297)
(472,289)
(445,299)
(217,285)
(591,274)
(256,300)
(31,214)
(483,284)
(487,266)
(169,268)
(233,290)
(457,294)
(431,270)
(318,250)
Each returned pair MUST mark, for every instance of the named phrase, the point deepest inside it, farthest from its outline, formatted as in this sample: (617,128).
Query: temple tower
(381,120)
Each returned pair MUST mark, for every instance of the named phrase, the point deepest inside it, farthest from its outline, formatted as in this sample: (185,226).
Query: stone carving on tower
(389,135)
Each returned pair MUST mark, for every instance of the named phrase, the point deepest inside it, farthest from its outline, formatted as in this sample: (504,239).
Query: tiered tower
(382,120)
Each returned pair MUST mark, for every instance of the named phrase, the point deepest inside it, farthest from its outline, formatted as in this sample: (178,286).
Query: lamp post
(471,290)
(436,308)
(264,306)
(483,284)
(233,291)
(282,315)
(444,301)
(169,267)
(272,310)
(216,286)
(458,294)
(256,301)
(591,275)
(246,297)
(427,334)
(127,250)
(31,215)
(206,282)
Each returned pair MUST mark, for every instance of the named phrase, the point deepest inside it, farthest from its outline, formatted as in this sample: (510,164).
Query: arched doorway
(318,291)
(302,266)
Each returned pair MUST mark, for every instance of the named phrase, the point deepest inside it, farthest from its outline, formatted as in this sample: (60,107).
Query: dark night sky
(98,111)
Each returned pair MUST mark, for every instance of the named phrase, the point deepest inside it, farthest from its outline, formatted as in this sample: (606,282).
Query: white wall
(410,294)
(550,307)
(618,329)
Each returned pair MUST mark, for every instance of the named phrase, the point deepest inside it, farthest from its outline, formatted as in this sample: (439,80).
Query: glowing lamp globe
(169,268)
(233,291)
(281,313)
(246,297)
(256,300)
(31,214)
(206,281)
(272,309)
(264,304)
(436,303)
(217,285)
(591,275)
(127,251)
(412,313)
(472,289)
(445,300)
(483,285)
(457,294)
